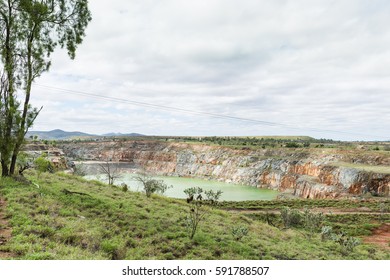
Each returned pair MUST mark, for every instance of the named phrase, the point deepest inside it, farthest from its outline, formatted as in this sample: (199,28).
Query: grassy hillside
(108,223)
(383,169)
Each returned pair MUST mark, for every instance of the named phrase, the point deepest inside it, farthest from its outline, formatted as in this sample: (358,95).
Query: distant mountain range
(59,134)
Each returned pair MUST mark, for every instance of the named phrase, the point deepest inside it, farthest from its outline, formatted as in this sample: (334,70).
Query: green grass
(371,204)
(111,224)
(357,225)
(365,167)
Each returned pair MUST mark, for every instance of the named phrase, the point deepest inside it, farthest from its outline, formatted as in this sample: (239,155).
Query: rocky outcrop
(305,174)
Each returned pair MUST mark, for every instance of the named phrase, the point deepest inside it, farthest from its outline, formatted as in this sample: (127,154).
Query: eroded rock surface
(302,172)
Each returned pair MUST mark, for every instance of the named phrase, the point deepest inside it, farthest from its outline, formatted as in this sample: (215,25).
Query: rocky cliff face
(303,173)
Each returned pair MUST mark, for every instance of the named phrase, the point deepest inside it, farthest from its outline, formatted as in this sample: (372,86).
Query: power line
(194,112)
(162,107)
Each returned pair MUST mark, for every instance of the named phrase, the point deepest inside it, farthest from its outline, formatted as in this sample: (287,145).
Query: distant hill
(59,134)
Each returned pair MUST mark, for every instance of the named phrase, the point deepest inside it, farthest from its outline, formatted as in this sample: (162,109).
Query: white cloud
(307,64)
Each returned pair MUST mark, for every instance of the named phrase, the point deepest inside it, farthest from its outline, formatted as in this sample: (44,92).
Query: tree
(31,30)
(8,104)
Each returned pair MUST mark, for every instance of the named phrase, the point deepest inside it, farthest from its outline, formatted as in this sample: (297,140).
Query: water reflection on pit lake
(231,192)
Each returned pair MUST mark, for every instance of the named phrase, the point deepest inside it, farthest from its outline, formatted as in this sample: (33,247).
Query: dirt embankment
(380,237)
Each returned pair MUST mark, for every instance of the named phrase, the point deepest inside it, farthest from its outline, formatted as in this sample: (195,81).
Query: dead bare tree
(111,171)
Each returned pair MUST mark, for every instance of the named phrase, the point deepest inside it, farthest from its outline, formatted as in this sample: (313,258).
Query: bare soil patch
(380,236)
(5,231)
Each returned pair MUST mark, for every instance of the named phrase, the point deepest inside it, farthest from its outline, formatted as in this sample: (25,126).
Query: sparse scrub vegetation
(263,142)
(111,224)
(347,243)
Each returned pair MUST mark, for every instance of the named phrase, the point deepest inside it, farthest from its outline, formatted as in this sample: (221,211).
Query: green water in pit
(231,192)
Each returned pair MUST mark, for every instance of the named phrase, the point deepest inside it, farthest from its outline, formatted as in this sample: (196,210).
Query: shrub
(194,217)
(292,145)
(197,211)
(24,162)
(312,221)
(290,217)
(113,248)
(41,164)
(155,186)
(194,193)
(124,187)
(239,232)
(151,185)
(213,197)
(347,243)
(326,233)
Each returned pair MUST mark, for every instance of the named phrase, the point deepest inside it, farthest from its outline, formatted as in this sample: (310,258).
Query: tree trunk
(23,124)
(4,169)
(13,163)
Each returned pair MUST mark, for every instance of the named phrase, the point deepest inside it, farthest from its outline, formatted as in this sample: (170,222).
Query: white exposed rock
(309,175)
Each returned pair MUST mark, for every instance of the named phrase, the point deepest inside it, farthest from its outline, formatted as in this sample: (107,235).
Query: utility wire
(194,112)
(162,107)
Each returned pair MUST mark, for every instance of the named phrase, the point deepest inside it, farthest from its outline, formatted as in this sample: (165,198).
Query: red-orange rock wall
(308,176)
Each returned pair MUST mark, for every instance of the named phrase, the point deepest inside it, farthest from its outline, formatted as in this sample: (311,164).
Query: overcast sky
(299,67)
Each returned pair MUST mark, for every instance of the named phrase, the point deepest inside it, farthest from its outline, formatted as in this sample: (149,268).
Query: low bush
(291,217)
(151,185)
(347,243)
(239,232)
(42,164)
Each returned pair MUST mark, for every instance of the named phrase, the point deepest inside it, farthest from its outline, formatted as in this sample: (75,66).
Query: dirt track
(326,211)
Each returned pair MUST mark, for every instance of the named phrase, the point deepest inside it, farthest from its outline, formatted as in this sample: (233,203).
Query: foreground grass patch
(379,204)
(103,222)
